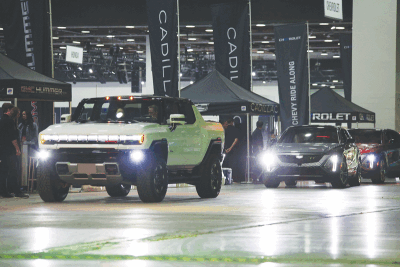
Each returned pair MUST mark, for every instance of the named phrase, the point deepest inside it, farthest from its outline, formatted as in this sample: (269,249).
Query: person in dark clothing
(9,152)
(28,131)
(257,143)
(231,147)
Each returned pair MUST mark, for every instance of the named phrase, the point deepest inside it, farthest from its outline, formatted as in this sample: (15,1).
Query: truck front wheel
(51,188)
(152,181)
(119,190)
(211,180)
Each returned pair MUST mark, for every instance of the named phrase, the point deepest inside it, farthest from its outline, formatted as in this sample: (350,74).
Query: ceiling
(98,26)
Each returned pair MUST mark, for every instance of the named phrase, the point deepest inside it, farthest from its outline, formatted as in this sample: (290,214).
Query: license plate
(86,168)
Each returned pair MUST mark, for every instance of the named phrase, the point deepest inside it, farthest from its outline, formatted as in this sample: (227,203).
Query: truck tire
(118,190)
(211,179)
(340,181)
(271,182)
(356,180)
(50,187)
(152,181)
(381,176)
(291,183)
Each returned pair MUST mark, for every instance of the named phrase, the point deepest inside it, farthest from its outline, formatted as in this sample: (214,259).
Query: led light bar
(92,138)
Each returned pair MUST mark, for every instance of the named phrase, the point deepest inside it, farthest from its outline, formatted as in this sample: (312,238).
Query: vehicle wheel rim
(159,178)
(343,171)
(359,174)
(215,173)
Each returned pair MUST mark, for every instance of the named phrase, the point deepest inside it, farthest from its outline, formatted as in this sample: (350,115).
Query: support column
(376,64)
(149,73)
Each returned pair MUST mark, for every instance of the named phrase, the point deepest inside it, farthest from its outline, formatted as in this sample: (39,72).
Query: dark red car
(380,153)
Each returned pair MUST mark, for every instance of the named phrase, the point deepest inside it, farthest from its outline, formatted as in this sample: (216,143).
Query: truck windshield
(366,136)
(113,110)
(309,135)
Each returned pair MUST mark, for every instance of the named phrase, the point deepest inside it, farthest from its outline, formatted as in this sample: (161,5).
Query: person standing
(28,131)
(257,143)
(9,154)
(230,148)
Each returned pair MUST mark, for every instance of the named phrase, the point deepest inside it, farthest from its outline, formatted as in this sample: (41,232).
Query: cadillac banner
(291,60)
(27,38)
(163,27)
(345,55)
(232,41)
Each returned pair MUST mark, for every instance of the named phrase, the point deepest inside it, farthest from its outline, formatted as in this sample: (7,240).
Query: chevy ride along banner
(291,61)
(345,56)
(26,26)
(163,28)
(232,41)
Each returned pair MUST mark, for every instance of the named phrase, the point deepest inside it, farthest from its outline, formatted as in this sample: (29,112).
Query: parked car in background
(319,153)
(380,150)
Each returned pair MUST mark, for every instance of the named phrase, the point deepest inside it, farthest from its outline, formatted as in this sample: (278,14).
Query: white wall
(374,59)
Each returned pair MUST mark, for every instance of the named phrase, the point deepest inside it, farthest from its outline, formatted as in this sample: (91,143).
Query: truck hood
(319,148)
(93,128)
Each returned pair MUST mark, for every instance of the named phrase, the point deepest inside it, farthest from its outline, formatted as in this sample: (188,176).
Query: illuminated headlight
(130,138)
(332,163)
(136,156)
(371,159)
(268,160)
(43,154)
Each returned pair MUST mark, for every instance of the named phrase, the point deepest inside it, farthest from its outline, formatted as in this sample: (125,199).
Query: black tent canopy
(22,83)
(329,106)
(217,95)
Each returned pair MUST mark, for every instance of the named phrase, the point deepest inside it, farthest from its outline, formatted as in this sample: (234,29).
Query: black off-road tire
(118,190)
(381,176)
(356,180)
(152,180)
(340,181)
(271,182)
(50,187)
(291,183)
(211,180)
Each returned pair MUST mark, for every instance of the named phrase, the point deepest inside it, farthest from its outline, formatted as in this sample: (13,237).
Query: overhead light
(338,43)
(192,39)
(142,83)
(333,87)
(120,48)
(328,41)
(56,38)
(260,52)
(110,36)
(333,27)
(310,51)
(336,56)
(141,59)
(260,25)
(190,26)
(90,70)
(1,29)
(139,51)
(209,30)
(61,28)
(324,54)
(130,40)
(191,82)
(63,47)
(100,45)
(129,27)
(253,74)
(211,43)
(190,50)
(315,84)
(339,28)
(264,81)
(190,59)
(76,42)
(85,31)
(324,24)
(323,85)
(335,81)
(312,37)
(265,42)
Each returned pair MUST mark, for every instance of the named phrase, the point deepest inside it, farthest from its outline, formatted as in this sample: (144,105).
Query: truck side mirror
(65,118)
(177,119)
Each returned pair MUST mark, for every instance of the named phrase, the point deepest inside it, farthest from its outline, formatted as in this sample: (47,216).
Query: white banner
(74,54)
(333,9)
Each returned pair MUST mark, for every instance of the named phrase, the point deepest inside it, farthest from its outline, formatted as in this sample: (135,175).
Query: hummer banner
(163,27)
(26,26)
(291,61)
(232,41)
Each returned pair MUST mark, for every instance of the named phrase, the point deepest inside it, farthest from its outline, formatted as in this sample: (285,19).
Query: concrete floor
(247,225)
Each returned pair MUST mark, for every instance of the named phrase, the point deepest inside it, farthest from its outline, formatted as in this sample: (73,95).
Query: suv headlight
(268,160)
(43,154)
(332,163)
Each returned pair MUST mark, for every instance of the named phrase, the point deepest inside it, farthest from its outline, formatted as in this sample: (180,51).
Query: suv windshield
(309,135)
(113,110)
(366,136)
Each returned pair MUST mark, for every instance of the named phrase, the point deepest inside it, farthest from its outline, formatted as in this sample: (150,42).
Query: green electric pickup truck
(117,142)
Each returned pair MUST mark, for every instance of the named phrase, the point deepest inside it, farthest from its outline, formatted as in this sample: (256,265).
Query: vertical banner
(231,32)
(26,26)
(163,27)
(345,56)
(291,61)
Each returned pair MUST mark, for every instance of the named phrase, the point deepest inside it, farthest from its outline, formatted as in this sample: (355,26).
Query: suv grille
(294,159)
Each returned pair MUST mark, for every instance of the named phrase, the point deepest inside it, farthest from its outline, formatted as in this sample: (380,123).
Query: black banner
(163,27)
(26,26)
(291,60)
(345,55)
(232,41)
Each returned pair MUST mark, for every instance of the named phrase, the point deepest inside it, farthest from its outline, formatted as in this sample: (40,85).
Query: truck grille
(88,155)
